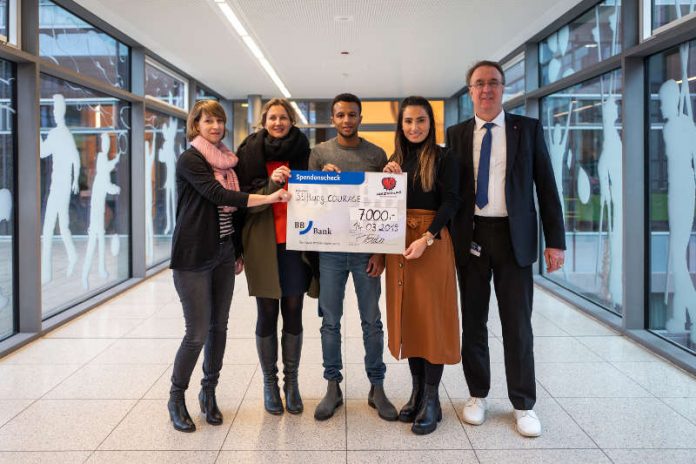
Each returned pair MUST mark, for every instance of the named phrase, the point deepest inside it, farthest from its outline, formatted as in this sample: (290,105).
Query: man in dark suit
(503,157)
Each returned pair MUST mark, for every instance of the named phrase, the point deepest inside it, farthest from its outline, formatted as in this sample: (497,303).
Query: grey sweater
(366,157)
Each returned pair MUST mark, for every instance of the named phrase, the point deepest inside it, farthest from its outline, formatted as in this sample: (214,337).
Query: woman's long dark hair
(427,157)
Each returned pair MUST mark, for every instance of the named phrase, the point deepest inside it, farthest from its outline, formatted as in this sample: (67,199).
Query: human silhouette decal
(679,133)
(101,187)
(60,145)
(149,226)
(167,155)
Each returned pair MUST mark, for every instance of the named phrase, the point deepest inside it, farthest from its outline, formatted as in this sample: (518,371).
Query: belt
(491,219)
(224,239)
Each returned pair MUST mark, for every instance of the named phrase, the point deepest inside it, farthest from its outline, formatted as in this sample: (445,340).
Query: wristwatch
(428,240)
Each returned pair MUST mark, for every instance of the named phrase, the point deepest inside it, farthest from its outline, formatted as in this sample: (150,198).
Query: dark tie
(484,167)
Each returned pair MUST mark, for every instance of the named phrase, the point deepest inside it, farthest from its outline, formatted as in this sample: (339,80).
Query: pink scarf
(222,161)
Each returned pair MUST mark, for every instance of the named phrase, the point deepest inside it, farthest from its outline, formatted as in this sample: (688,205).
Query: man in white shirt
(503,158)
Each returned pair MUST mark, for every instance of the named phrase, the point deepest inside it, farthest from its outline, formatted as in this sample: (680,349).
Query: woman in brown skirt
(422,315)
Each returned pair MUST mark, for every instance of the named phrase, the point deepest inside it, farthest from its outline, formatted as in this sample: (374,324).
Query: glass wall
(203,94)
(520,109)
(165,139)
(165,85)
(85,192)
(69,41)
(589,39)
(7,194)
(4,18)
(466,107)
(666,11)
(583,133)
(514,79)
(672,193)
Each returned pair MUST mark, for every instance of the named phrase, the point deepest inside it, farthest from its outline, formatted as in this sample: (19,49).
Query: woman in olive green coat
(277,277)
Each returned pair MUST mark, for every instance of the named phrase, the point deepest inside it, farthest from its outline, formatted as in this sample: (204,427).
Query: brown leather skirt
(422,311)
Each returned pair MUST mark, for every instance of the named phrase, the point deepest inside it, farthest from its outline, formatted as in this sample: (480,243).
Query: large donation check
(362,212)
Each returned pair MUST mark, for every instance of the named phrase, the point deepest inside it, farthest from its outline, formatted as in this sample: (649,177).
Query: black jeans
(206,295)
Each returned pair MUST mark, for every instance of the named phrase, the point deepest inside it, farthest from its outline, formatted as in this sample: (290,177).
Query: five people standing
(471,213)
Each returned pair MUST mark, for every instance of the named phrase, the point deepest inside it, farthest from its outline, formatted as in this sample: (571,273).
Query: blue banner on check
(321,177)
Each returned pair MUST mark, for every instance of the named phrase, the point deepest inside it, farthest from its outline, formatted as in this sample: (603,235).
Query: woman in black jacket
(203,255)
(276,276)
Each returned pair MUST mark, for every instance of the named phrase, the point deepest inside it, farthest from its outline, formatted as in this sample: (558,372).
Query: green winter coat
(259,245)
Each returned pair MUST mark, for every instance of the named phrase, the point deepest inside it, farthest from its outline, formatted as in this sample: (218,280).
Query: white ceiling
(397,47)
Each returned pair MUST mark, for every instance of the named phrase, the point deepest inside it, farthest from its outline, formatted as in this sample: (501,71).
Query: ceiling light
(299,112)
(256,51)
(232,18)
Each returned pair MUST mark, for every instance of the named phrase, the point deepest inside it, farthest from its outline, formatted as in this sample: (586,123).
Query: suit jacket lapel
(468,150)
(512,138)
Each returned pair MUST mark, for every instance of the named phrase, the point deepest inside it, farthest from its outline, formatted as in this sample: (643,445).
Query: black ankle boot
(209,407)
(268,357)
(180,416)
(410,410)
(430,412)
(291,347)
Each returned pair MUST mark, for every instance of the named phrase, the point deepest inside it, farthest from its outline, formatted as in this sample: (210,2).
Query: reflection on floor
(95,391)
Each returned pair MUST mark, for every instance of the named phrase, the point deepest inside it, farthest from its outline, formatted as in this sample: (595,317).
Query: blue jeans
(206,295)
(333,274)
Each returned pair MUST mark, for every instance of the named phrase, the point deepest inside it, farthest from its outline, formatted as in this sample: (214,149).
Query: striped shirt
(226,228)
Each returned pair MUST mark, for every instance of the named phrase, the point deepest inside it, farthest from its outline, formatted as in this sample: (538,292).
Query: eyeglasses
(479,85)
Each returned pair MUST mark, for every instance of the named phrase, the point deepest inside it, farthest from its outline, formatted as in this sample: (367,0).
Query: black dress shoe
(180,416)
(410,410)
(209,407)
(430,412)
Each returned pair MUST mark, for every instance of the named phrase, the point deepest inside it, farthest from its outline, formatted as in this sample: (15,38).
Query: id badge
(475,249)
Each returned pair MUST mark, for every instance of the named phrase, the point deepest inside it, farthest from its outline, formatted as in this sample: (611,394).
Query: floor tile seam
(80,366)
(236,412)
(124,336)
(616,363)
(32,401)
(577,424)
(650,394)
(602,355)
(461,423)
(412,450)
(135,403)
(688,419)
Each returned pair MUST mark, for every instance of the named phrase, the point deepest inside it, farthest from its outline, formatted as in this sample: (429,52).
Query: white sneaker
(528,424)
(475,411)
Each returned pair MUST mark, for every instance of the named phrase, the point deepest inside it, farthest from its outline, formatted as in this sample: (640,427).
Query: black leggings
(267,321)
(423,368)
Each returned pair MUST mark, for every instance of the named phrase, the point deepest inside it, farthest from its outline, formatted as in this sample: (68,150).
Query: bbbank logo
(389,183)
(304,228)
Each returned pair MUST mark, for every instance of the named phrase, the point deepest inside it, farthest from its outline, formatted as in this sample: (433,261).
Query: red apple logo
(388,183)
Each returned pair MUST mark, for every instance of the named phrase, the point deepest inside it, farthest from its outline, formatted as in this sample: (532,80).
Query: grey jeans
(206,295)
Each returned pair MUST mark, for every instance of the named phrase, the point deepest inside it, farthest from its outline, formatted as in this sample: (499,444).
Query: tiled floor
(95,391)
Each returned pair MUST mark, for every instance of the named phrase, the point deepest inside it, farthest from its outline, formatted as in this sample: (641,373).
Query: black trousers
(206,295)
(513,288)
